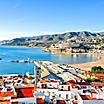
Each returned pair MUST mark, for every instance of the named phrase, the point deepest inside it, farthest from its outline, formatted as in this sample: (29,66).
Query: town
(53,84)
(75,45)
(51,51)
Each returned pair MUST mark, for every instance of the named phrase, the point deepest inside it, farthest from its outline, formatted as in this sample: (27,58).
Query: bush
(93,80)
(96,69)
(58,72)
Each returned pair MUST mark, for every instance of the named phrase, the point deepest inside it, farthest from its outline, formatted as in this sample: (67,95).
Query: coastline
(84,66)
(88,65)
(21,46)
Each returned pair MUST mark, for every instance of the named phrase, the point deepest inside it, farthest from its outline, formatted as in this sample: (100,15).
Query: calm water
(8,53)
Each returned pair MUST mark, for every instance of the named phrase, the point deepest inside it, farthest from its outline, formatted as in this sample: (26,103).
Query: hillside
(45,40)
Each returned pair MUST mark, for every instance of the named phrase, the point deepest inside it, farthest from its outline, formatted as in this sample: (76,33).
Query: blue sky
(20,18)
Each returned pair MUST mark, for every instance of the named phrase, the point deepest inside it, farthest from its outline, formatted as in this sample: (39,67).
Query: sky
(23,18)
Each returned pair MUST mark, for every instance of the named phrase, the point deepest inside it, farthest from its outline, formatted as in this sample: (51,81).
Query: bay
(9,53)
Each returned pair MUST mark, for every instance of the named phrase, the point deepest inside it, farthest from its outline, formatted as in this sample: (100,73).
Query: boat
(22,61)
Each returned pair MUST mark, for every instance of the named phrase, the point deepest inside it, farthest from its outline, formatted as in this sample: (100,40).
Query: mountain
(44,39)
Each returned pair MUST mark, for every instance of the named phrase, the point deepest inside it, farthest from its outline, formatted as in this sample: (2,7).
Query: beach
(88,65)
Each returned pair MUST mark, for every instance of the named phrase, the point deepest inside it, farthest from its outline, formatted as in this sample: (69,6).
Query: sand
(88,65)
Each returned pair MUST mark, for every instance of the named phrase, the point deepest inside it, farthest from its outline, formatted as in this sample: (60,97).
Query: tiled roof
(5,102)
(61,102)
(93,91)
(25,92)
(43,81)
(6,94)
(1,80)
(84,83)
(87,97)
(97,84)
(40,101)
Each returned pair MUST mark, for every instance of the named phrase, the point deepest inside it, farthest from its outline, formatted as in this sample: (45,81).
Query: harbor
(18,60)
(48,67)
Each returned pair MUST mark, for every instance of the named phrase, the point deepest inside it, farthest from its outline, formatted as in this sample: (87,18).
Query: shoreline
(84,66)
(88,65)
(21,46)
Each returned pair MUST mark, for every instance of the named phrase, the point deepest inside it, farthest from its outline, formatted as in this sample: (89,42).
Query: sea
(10,53)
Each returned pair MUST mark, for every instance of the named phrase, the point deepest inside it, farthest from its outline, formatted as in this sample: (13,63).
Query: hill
(45,40)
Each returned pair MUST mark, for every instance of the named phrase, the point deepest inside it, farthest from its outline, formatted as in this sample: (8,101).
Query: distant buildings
(76,45)
(68,47)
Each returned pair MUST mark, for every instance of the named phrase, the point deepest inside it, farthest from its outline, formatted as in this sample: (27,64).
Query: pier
(49,68)
(45,72)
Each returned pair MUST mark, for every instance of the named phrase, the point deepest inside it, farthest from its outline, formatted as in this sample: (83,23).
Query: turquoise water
(8,53)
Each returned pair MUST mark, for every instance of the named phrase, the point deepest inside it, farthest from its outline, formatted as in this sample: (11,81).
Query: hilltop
(45,40)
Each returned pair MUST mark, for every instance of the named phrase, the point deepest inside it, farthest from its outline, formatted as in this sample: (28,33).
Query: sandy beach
(88,65)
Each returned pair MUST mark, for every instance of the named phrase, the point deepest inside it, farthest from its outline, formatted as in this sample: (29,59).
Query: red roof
(93,91)
(67,83)
(74,86)
(6,94)
(53,80)
(40,101)
(25,92)
(72,81)
(74,102)
(4,101)
(61,102)
(87,97)
(97,84)
(83,83)
(1,80)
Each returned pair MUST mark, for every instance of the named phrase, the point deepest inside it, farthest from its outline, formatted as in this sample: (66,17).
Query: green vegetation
(92,80)
(58,72)
(103,40)
(55,62)
(30,44)
(96,69)
(100,41)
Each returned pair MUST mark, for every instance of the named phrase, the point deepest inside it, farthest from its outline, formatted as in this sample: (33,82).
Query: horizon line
(33,34)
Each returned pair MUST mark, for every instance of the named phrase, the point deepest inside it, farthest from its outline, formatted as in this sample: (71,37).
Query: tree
(96,69)
(93,69)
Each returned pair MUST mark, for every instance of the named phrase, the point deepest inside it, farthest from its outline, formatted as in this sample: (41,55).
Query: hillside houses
(68,47)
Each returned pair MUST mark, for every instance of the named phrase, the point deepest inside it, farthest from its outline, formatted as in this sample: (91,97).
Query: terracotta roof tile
(6,94)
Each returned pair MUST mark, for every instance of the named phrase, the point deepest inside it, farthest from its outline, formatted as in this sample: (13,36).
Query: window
(43,91)
(66,96)
(50,84)
(62,86)
(59,95)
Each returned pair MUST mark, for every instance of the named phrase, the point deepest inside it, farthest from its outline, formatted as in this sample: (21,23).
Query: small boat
(15,61)
(0,58)
(23,61)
